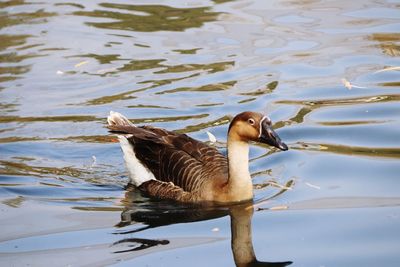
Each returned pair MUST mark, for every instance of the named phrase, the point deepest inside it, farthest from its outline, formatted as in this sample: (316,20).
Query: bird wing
(176,158)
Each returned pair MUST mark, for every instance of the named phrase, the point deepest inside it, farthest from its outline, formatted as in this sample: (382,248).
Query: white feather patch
(260,127)
(138,173)
(211,137)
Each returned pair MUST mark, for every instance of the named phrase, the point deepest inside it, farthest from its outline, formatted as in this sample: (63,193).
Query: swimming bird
(167,165)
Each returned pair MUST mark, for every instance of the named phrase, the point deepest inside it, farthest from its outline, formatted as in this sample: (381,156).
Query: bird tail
(120,125)
(117,119)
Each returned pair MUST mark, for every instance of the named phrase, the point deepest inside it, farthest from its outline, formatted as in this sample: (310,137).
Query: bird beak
(270,137)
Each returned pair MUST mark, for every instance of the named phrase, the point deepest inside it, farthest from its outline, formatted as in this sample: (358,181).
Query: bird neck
(239,182)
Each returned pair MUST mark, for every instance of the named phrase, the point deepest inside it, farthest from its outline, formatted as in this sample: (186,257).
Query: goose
(171,166)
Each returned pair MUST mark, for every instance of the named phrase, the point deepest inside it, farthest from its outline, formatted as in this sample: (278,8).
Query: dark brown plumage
(180,167)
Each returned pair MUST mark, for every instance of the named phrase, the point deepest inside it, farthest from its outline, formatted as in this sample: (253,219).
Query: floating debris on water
(349,85)
(211,137)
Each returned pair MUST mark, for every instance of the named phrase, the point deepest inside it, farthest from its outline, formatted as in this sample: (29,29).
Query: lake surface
(326,72)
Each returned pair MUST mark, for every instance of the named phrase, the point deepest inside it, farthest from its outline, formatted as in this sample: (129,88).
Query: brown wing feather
(176,158)
(165,190)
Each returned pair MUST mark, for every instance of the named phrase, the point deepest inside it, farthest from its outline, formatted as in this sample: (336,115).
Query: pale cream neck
(240,185)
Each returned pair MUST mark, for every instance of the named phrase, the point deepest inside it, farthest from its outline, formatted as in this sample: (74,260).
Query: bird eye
(251,121)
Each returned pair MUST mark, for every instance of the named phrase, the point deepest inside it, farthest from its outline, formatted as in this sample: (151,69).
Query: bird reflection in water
(151,214)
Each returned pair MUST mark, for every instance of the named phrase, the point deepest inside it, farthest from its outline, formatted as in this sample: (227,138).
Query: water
(331,200)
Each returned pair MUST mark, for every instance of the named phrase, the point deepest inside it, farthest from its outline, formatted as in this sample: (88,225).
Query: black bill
(270,137)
